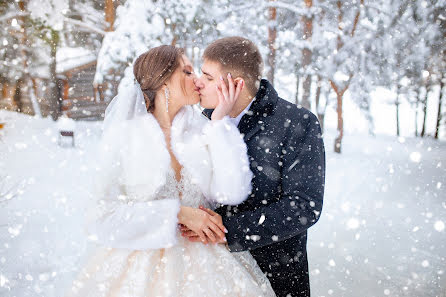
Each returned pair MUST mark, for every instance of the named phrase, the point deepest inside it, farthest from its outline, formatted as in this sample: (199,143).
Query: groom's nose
(199,83)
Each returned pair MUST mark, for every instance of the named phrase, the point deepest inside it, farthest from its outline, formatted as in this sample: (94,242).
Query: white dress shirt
(238,118)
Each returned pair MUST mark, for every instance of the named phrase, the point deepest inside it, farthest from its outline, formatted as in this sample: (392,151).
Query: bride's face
(182,87)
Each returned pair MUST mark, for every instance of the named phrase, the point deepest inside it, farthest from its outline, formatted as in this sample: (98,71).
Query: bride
(161,160)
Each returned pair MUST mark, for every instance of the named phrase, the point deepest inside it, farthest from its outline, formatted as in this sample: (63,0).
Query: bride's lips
(197,90)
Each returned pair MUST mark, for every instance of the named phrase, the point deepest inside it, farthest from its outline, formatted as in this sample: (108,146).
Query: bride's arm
(118,219)
(148,225)
(136,226)
(231,176)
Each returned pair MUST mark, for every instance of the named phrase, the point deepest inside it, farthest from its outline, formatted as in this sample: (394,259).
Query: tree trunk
(25,81)
(33,97)
(423,130)
(338,140)
(109,14)
(17,95)
(338,91)
(55,99)
(173,27)
(397,107)
(339,97)
(306,55)
(319,112)
(440,101)
(326,92)
(297,87)
(417,103)
(272,34)
(306,86)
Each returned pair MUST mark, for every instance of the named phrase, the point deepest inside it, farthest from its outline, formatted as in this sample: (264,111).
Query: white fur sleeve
(135,226)
(120,219)
(231,176)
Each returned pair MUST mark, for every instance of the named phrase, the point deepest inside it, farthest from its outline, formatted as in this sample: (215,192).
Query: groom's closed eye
(208,76)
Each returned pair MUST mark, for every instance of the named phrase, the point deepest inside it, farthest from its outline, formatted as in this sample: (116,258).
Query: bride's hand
(227,96)
(203,224)
(192,236)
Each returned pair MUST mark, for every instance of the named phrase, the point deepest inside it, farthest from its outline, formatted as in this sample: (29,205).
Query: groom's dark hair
(240,57)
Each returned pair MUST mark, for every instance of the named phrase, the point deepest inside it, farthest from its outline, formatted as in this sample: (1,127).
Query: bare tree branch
(12,15)
(84,25)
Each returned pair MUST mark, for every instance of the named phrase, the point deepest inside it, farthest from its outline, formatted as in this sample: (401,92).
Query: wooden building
(75,73)
(80,100)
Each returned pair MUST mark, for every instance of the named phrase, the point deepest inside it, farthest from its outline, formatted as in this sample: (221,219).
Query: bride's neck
(164,117)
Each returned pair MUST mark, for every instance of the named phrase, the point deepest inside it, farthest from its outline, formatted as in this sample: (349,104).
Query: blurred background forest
(66,57)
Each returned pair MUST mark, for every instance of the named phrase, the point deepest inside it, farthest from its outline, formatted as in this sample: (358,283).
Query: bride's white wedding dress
(185,269)
(141,252)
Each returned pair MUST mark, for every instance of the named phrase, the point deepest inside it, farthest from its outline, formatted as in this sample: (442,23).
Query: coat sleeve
(303,176)
(118,220)
(231,176)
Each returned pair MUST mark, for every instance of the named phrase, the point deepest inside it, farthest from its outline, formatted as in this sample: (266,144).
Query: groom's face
(207,83)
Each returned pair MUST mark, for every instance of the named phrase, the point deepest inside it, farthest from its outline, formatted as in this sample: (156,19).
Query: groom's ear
(237,80)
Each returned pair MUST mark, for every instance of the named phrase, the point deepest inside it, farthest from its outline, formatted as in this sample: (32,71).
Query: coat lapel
(264,105)
(248,126)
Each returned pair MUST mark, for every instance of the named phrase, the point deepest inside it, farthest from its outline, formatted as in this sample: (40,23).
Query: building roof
(69,58)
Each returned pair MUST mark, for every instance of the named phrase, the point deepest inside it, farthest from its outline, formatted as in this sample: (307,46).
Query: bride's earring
(166,94)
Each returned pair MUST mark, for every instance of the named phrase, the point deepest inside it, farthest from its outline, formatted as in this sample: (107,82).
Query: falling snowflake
(439,226)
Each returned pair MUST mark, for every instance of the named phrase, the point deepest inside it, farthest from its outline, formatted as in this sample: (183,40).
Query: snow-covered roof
(71,57)
(66,58)
(66,124)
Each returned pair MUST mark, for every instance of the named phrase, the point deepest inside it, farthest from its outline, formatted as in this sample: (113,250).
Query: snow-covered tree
(139,26)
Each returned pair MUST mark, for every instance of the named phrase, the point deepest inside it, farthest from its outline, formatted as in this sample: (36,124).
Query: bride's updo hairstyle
(154,68)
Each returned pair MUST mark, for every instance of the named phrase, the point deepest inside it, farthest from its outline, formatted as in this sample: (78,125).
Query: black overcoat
(287,157)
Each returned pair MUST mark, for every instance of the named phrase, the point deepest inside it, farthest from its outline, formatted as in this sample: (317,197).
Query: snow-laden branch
(401,10)
(240,8)
(292,8)
(84,25)
(13,14)
(92,16)
(89,13)
(378,9)
(68,20)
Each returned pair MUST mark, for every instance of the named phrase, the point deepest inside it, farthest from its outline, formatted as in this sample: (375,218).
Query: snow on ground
(381,233)
(382,229)
(40,231)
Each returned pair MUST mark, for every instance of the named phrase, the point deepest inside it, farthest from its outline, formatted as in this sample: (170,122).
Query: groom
(287,157)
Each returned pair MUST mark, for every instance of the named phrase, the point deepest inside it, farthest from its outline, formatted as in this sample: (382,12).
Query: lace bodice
(185,190)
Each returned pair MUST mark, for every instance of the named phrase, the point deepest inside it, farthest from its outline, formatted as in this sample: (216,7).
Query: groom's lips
(197,90)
